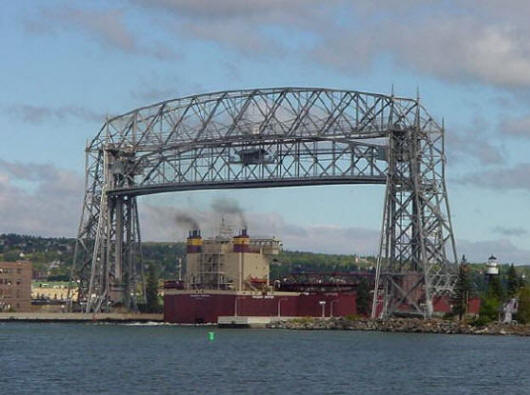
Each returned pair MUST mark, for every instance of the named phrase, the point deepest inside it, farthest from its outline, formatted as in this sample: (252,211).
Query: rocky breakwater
(408,325)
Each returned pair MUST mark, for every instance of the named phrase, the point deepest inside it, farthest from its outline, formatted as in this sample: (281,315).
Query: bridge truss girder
(267,138)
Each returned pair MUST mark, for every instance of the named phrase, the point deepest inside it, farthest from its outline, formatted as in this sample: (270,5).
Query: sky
(66,65)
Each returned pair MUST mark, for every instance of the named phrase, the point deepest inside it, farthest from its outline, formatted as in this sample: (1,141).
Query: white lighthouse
(492,267)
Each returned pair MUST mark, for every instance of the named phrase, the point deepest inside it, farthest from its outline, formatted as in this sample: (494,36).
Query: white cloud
(447,46)
(108,27)
(516,177)
(461,41)
(504,250)
(229,9)
(516,127)
(37,114)
(159,224)
(510,231)
(474,142)
(49,206)
(457,41)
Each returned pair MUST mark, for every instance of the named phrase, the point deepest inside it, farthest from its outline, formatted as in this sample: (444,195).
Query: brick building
(15,286)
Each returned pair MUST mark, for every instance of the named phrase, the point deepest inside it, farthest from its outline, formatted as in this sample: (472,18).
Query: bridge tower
(271,138)
(413,267)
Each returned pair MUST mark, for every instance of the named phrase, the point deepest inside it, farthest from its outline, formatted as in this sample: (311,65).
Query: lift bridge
(265,138)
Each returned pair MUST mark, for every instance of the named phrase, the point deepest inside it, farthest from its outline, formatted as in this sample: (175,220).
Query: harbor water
(153,358)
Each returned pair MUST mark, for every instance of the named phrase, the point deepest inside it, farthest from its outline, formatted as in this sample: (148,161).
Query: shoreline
(80,317)
(402,325)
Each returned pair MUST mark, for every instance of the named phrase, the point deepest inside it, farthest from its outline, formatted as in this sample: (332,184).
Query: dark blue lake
(121,359)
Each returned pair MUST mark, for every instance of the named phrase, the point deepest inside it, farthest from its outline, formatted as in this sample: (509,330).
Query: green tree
(522,281)
(462,290)
(523,313)
(495,288)
(491,301)
(12,256)
(489,309)
(151,290)
(513,282)
(363,297)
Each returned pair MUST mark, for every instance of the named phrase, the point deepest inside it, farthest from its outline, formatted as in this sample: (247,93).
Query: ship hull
(192,307)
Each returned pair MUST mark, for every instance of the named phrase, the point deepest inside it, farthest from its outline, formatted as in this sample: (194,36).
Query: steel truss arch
(270,138)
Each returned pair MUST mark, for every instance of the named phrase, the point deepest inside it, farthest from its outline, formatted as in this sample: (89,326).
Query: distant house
(15,286)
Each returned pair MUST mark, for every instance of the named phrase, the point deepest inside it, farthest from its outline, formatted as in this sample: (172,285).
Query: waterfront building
(15,286)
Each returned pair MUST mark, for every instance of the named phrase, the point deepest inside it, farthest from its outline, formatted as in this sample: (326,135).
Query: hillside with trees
(52,260)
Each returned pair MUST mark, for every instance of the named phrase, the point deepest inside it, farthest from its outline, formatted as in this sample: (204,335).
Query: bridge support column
(412,266)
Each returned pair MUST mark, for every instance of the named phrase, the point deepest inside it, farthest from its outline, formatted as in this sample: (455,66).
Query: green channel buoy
(211,336)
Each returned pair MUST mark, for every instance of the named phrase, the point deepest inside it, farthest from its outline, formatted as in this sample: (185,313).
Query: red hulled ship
(230,276)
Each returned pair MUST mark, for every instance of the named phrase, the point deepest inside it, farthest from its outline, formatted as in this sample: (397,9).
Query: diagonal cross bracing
(268,138)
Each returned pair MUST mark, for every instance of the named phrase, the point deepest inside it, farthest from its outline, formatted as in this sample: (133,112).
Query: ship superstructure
(236,263)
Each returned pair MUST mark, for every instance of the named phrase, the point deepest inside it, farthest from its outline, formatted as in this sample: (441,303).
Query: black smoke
(230,207)
(187,221)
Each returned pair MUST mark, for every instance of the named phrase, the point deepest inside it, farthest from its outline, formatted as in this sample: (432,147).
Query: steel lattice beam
(267,138)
